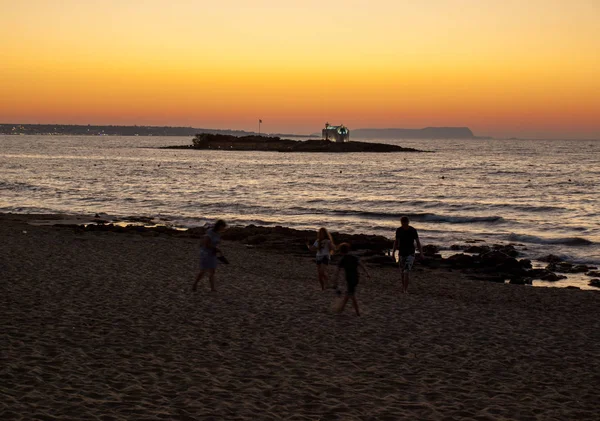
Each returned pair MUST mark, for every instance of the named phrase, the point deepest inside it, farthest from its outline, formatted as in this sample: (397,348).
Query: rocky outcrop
(276,144)
(431,250)
(495,264)
(593,273)
(566,267)
(550,258)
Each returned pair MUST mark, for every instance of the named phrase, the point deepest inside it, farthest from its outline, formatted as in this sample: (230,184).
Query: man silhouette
(406,236)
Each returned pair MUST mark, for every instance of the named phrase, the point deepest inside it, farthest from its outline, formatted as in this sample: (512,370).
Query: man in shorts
(406,236)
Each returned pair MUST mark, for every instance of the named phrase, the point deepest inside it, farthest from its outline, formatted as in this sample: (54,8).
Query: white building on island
(336,133)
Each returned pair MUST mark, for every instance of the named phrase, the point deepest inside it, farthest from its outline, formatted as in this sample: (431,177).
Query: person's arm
(332,248)
(419,247)
(395,248)
(311,248)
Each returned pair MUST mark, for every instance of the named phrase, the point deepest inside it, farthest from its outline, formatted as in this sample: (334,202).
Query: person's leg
(355,305)
(325,276)
(344,301)
(402,267)
(211,279)
(198,277)
(320,272)
(403,275)
(405,282)
(410,260)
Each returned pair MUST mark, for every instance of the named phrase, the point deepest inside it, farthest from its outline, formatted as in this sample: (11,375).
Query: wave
(18,186)
(567,241)
(422,217)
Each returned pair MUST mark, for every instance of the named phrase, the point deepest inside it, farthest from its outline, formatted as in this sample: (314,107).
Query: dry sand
(103,326)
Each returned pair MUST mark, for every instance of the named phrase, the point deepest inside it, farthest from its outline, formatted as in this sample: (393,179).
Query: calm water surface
(543,195)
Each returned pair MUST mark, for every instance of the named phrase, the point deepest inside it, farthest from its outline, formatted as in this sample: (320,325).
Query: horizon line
(301,134)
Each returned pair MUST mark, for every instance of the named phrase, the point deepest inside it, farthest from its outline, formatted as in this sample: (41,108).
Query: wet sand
(101,325)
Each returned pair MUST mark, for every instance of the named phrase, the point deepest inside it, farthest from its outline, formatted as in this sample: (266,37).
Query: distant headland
(426,133)
(98,130)
(276,144)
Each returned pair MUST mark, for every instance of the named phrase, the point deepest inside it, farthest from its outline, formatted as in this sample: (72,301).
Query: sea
(541,195)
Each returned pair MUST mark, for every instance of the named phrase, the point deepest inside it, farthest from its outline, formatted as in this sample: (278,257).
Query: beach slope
(102,325)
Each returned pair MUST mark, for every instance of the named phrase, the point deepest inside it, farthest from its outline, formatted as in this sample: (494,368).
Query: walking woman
(209,252)
(325,247)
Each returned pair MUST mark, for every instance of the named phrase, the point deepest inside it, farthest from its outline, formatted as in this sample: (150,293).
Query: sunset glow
(502,68)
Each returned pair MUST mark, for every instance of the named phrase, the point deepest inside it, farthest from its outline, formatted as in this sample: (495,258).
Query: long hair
(323,234)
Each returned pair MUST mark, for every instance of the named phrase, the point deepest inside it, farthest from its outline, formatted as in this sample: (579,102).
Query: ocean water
(543,195)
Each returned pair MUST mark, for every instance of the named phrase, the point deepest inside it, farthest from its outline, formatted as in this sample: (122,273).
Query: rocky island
(276,144)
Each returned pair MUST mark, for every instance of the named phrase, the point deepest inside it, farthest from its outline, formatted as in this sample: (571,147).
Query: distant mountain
(426,133)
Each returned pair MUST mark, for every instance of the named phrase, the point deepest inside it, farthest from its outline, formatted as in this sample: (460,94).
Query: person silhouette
(324,246)
(350,264)
(210,253)
(406,236)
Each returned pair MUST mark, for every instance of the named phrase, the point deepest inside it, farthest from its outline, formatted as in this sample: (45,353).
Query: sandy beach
(103,326)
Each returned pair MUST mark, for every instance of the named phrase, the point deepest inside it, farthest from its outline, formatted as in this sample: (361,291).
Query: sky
(503,68)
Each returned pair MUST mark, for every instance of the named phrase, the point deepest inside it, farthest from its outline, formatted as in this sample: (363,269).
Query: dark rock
(276,144)
(572,287)
(477,249)
(593,273)
(509,249)
(552,277)
(551,258)
(594,283)
(364,242)
(525,263)
(580,268)
(494,258)
(511,266)
(565,267)
(430,250)
(461,260)
(562,267)
(455,247)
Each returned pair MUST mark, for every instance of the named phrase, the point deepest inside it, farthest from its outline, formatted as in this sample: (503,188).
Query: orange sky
(500,67)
